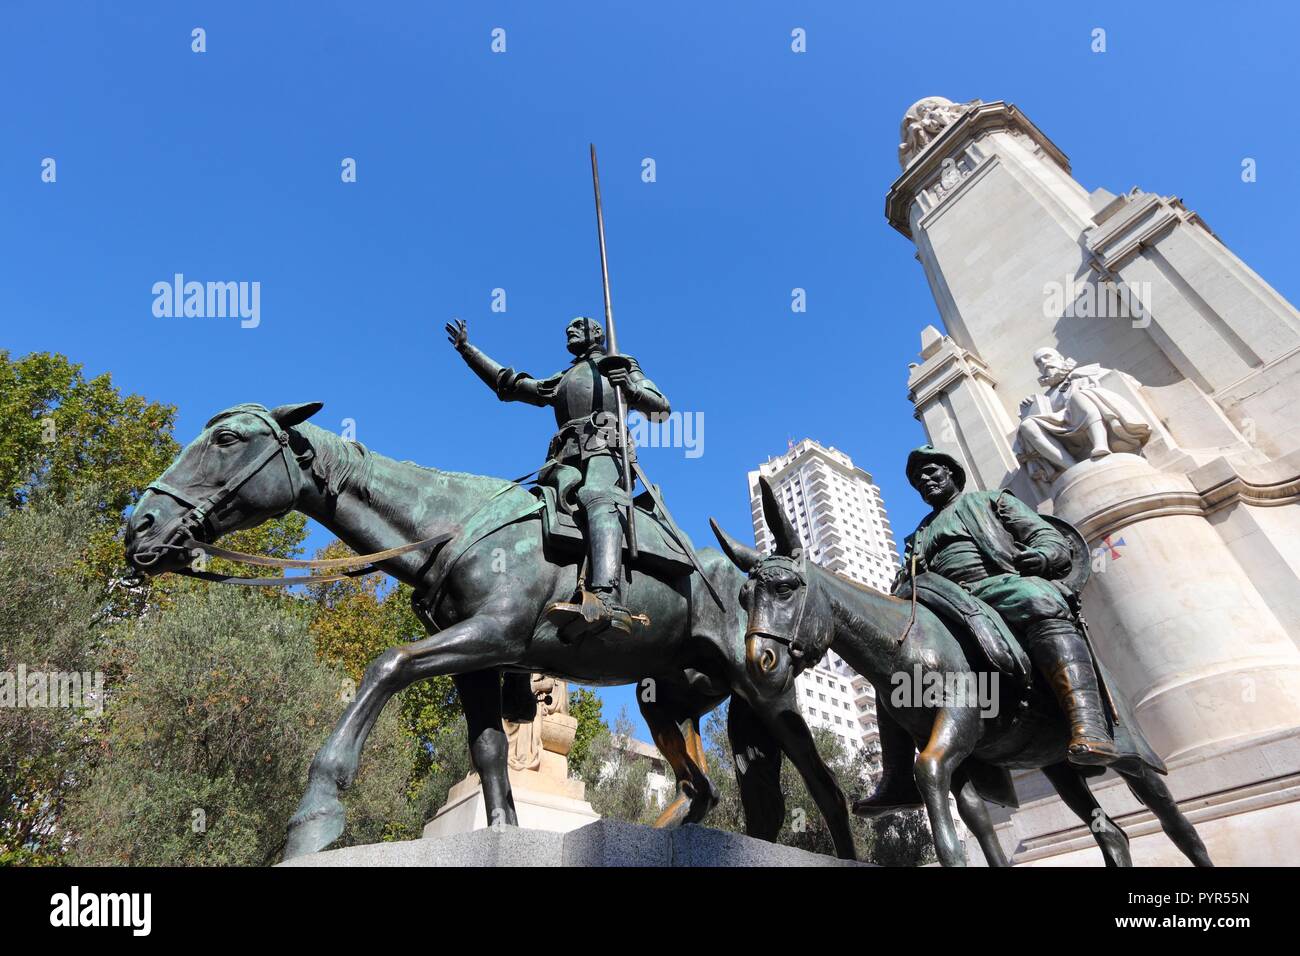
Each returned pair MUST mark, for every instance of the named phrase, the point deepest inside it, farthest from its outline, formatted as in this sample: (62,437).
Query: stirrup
(591,614)
(1090,750)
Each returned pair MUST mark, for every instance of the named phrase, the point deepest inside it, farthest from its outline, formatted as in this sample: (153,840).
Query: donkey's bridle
(196,519)
(795,566)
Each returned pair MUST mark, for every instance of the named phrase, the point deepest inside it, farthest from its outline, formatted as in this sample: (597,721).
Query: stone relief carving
(1075,420)
(525,740)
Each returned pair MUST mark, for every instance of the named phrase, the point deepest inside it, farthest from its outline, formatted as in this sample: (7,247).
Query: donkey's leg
(1074,791)
(975,814)
(676,733)
(757,757)
(952,739)
(1151,790)
(480,697)
(787,726)
(470,645)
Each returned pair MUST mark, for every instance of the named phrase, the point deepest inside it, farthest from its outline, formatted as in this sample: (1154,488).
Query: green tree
(355,620)
(47,625)
(209,739)
(65,435)
(617,780)
(585,707)
(63,432)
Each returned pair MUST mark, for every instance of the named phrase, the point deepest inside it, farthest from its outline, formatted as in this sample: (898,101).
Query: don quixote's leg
(674,725)
(975,814)
(952,739)
(474,644)
(757,757)
(1151,790)
(480,698)
(1074,792)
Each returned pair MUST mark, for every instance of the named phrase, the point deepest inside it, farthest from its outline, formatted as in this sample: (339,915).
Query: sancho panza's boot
(1061,655)
(896,789)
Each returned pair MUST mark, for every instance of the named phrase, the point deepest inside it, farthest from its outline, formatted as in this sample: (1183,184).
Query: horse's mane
(339,463)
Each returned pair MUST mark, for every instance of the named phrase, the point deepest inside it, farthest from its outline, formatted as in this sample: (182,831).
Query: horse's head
(241,471)
(786,610)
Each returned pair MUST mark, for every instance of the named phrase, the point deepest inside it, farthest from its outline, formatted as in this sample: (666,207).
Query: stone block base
(605,843)
(1243,799)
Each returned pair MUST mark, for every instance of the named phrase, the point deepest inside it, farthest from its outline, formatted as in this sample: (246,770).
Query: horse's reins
(201,510)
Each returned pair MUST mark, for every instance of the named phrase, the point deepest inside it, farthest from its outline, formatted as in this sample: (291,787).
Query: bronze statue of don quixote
(601,587)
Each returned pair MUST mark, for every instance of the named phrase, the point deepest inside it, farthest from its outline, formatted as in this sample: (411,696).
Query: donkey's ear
(787,539)
(287,416)
(742,555)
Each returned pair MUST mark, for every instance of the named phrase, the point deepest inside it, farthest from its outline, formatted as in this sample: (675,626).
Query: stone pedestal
(545,797)
(606,843)
(1194,602)
(1182,628)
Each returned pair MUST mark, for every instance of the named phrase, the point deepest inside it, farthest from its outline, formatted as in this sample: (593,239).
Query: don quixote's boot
(598,604)
(600,601)
(1061,654)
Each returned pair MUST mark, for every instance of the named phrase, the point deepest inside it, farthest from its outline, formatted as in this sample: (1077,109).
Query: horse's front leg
(952,738)
(474,644)
(480,698)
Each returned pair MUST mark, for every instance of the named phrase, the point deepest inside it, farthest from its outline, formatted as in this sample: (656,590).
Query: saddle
(658,551)
(562,539)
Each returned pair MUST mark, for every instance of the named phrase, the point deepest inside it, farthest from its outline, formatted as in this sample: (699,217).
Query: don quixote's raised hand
(457,333)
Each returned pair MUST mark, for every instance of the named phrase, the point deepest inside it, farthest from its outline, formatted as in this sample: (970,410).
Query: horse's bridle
(196,519)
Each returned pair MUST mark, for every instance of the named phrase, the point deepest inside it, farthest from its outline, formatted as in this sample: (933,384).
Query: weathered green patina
(928,676)
(483,595)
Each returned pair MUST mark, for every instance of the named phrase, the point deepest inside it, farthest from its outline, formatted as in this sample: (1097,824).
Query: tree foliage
(47,625)
(617,780)
(355,620)
(585,707)
(211,734)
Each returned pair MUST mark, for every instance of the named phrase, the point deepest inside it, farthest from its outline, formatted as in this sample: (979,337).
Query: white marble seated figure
(1075,420)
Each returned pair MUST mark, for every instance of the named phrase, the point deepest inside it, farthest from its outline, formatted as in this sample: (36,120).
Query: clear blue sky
(472,175)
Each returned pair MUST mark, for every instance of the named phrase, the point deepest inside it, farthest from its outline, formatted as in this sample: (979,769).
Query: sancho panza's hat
(926,454)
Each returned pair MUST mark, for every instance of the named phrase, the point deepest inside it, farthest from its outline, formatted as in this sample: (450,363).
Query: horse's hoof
(674,814)
(701,804)
(311,831)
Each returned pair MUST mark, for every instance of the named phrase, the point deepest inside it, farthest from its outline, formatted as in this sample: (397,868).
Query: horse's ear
(286,416)
(742,555)
(787,539)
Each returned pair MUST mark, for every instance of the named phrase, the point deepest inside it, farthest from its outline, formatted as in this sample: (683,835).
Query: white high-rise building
(841,520)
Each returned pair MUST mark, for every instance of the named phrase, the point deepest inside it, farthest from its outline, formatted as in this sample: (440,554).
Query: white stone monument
(1112,362)
(546,797)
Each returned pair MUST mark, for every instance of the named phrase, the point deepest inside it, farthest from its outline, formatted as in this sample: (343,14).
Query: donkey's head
(242,470)
(790,625)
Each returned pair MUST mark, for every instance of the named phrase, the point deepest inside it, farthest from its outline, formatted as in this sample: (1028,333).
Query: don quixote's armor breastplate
(582,391)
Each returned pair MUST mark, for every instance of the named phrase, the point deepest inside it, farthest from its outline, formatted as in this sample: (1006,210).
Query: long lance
(611,348)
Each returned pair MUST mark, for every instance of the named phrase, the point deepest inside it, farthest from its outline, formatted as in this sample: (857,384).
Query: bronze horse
(797,611)
(489,584)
